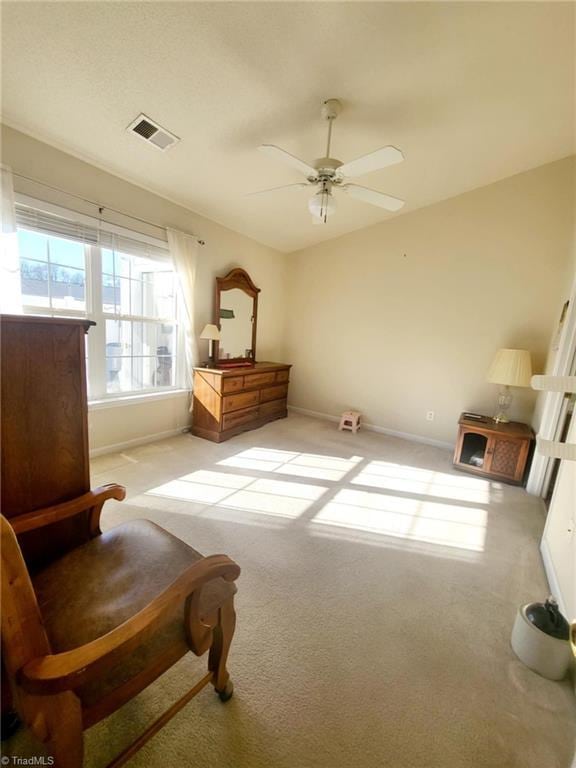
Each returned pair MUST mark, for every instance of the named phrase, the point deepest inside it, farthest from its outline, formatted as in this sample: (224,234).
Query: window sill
(124,400)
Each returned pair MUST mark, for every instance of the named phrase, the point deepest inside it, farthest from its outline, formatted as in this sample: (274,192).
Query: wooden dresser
(229,401)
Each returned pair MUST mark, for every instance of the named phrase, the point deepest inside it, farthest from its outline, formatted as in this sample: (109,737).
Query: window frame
(94,309)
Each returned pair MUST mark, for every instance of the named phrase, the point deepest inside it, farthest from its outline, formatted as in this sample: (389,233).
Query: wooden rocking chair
(95,626)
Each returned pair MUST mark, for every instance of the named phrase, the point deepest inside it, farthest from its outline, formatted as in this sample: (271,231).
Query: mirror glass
(235,324)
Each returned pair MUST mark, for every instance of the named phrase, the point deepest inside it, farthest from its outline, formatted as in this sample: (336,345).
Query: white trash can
(540,638)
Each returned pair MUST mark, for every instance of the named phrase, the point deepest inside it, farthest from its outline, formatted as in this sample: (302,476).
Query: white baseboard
(553,582)
(114,448)
(316,414)
(376,428)
(137,441)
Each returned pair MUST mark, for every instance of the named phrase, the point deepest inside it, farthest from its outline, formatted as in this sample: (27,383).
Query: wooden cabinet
(500,451)
(44,430)
(229,401)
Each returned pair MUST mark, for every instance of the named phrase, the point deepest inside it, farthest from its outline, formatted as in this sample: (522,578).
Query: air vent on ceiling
(152,133)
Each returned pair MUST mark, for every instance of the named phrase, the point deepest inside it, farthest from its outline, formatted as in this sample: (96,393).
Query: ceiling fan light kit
(322,203)
(329,174)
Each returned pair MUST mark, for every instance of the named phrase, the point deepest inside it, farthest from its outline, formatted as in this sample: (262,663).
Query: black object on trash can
(547,617)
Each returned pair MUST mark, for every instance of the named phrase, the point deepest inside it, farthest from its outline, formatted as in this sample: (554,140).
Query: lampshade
(321,205)
(511,367)
(211,332)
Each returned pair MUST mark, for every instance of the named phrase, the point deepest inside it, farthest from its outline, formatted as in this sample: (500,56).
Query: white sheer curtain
(10,301)
(184,251)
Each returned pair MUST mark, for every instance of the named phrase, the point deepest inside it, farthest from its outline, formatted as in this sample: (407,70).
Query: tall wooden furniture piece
(493,450)
(229,401)
(237,394)
(88,619)
(44,432)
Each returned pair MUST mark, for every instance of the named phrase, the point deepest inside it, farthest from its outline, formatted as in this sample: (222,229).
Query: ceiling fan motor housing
(326,167)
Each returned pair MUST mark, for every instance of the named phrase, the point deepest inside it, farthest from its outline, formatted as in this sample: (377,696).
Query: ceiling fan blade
(288,159)
(372,196)
(301,185)
(374,161)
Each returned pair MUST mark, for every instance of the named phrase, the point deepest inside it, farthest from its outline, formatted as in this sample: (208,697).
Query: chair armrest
(91,500)
(65,671)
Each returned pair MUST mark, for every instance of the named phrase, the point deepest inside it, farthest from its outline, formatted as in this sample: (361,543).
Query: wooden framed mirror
(236,315)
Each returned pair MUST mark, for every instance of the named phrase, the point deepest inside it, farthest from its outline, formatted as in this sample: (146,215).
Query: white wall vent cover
(152,133)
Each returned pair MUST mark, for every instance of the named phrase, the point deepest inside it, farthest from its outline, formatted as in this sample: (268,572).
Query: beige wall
(394,320)
(122,425)
(224,249)
(404,317)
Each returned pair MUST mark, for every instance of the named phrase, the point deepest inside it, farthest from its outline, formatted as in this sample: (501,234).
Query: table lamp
(510,368)
(212,333)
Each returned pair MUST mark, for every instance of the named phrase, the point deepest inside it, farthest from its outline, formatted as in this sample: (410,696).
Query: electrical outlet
(429,415)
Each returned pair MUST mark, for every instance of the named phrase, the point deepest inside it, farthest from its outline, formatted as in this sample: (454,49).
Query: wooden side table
(499,451)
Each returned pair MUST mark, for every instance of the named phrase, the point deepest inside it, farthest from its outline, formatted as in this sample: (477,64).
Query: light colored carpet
(375,605)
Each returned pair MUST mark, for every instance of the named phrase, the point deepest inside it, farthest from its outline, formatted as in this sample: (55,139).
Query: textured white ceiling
(471,92)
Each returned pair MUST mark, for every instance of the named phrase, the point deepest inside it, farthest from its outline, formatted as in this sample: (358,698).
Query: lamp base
(503,405)
(210,363)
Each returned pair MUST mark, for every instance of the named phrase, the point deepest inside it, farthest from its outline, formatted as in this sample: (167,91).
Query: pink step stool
(350,421)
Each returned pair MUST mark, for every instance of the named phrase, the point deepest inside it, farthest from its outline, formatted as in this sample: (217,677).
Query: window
(52,272)
(126,285)
(139,311)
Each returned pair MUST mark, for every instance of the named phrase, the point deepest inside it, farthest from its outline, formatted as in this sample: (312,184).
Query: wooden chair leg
(57,721)
(222,639)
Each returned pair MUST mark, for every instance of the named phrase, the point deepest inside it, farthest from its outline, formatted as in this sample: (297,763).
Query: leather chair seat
(101,584)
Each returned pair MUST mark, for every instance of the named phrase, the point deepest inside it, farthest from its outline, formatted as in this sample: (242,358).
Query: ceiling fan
(328,174)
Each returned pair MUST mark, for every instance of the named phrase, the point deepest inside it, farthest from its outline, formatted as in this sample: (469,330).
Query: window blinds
(123,244)
(101,235)
(48,224)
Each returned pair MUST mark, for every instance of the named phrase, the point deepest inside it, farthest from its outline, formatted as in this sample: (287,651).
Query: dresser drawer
(237,418)
(242,400)
(233,384)
(272,408)
(282,376)
(273,393)
(258,379)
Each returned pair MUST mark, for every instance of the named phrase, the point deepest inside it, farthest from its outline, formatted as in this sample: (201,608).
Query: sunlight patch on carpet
(431,522)
(307,465)
(426,482)
(259,495)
